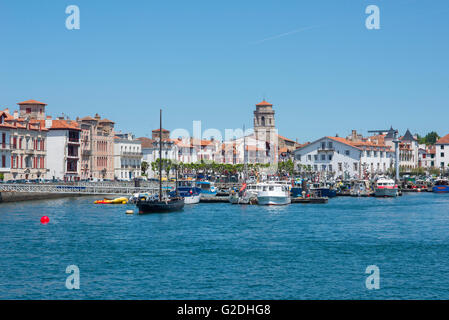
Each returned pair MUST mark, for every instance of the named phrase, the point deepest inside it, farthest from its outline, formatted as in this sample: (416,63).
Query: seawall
(30,196)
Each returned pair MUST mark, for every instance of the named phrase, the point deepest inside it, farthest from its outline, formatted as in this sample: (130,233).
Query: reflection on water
(223,251)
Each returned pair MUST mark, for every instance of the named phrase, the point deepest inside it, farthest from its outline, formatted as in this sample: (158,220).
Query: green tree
(144,167)
(429,138)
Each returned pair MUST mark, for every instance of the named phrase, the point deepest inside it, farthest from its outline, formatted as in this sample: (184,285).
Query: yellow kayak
(121,200)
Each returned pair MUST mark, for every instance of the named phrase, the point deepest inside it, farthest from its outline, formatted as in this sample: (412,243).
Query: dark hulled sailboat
(160,204)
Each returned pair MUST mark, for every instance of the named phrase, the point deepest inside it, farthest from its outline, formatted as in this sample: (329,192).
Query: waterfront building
(27,141)
(408,149)
(351,157)
(63,149)
(5,148)
(127,156)
(97,148)
(264,145)
(442,153)
(376,156)
(150,148)
(426,156)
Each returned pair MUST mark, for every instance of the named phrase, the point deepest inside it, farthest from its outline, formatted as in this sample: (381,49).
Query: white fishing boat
(246,195)
(273,193)
(385,187)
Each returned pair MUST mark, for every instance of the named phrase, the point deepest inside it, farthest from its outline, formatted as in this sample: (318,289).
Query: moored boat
(441,186)
(187,191)
(385,187)
(160,203)
(208,188)
(273,193)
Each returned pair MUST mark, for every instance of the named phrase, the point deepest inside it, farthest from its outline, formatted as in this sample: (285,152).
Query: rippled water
(221,251)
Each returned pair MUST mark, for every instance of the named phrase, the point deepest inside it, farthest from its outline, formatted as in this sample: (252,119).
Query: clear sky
(315,60)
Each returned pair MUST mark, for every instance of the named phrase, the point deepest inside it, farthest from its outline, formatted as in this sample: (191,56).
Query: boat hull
(160,206)
(385,192)
(192,199)
(440,189)
(273,200)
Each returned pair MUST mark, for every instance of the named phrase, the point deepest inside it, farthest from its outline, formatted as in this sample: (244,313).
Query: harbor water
(223,251)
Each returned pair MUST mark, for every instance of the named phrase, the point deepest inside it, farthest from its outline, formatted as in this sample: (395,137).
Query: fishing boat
(441,186)
(160,203)
(208,188)
(273,193)
(360,188)
(246,195)
(188,191)
(324,190)
(385,187)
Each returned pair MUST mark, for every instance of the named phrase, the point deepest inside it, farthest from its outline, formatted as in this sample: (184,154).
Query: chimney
(16,114)
(48,123)
(6,110)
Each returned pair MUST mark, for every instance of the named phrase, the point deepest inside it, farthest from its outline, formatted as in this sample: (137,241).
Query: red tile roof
(443,140)
(146,142)
(157,130)
(31,102)
(264,104)
(343,140)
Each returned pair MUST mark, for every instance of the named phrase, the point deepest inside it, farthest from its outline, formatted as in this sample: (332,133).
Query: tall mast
(160,155)
(244,155)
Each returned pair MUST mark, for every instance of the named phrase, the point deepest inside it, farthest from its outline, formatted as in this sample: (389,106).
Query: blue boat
(188,191)
(441,186)
(207,188)
(324,191)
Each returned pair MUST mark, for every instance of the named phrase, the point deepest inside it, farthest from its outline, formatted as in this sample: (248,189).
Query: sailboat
(161,203)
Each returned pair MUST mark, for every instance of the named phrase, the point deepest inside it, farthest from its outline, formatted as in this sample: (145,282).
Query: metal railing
(73,189)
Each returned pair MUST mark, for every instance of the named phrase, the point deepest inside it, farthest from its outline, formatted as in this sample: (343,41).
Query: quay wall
(31,196)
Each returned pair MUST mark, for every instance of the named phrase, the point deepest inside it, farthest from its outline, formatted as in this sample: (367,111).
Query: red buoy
(45,220)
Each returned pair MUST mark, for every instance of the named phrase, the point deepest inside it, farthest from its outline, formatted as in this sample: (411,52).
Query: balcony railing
(131,154)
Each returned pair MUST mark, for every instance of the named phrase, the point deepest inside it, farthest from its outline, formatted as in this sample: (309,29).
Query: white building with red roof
(63,149)
(337,157)
(442,153)
(24,141)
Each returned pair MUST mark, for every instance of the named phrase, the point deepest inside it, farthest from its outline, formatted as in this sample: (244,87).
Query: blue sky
(214,60)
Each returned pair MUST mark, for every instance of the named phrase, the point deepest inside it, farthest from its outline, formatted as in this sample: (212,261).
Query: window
(323,167)
(330,167)
(442,147)
(28,110)
(375,153)
(323,157)
(442,154)
(315,167)
(323,145)
(329,144)
(340,166)
(309,157)
(315,157)
(330,157)
(355,166)
(347,152)
(442,164)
